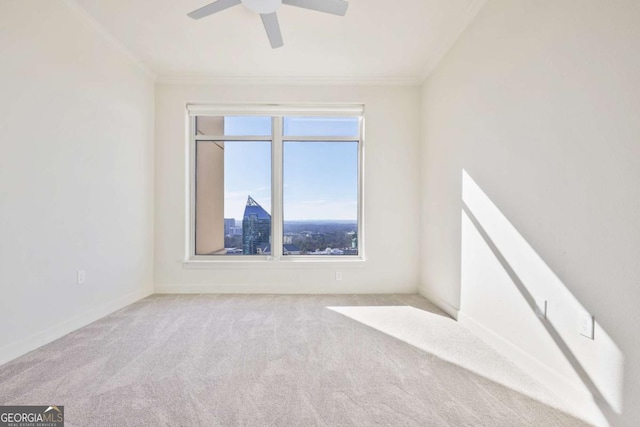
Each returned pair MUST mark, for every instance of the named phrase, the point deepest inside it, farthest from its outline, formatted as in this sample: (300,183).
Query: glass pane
(321,126)
(320,198)
(233,198)
(233,125)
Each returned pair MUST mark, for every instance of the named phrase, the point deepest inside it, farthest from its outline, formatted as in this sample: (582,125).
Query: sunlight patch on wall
(504,280)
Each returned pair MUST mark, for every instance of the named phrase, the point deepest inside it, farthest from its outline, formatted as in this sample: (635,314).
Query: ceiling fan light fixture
(267,11)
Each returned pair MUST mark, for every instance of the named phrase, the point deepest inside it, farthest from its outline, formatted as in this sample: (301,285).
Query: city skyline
(319,178)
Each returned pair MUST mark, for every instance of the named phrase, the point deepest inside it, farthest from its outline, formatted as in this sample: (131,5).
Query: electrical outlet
(541,308)
(82,277)
(586,325)
(338,275)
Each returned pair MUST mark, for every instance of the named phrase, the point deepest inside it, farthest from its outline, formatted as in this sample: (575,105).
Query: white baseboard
(287,289)
(441,304)
(579,401)
(16,349)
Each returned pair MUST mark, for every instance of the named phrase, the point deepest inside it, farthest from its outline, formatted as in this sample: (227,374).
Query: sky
(320,178)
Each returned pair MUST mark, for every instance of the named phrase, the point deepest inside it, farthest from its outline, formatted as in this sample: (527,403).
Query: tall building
(229,225)
(256,227)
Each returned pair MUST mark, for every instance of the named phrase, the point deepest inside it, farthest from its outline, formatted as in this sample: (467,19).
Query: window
(275,183)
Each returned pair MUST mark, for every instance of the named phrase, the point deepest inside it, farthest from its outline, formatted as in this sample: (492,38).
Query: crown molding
(91,22)
(288,81)
(447,43)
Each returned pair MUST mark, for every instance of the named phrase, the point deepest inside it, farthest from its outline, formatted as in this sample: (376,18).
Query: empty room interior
(320,212)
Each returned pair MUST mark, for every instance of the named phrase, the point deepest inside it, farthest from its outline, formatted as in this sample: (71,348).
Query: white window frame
(277,112)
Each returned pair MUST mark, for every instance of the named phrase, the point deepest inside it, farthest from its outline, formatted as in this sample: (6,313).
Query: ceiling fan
(267,10)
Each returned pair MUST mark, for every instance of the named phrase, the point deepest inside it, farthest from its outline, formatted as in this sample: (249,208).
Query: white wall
(391,190)
(76,175)
(538,106)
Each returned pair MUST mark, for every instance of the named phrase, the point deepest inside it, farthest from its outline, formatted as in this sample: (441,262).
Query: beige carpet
(232,360)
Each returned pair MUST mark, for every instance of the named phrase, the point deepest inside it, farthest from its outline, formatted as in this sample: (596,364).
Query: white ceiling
(376,40)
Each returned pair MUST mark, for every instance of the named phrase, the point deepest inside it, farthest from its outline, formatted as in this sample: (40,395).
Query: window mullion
(276,189)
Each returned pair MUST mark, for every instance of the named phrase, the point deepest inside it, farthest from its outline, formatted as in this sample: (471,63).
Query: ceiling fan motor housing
(262,6)
(267,11)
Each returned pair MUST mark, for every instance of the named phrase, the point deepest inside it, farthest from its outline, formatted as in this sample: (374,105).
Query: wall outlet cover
(586,326)
(541,308)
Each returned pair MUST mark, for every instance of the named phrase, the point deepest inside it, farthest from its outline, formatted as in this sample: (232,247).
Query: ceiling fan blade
(270,22)
(334,7)
(212,8)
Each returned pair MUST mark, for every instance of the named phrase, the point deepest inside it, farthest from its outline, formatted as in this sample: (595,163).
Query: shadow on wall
(507,287)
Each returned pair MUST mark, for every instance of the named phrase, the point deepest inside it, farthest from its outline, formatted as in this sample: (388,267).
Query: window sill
(271,263)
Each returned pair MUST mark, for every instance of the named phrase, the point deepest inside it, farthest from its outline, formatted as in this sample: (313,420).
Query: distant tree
(233,241)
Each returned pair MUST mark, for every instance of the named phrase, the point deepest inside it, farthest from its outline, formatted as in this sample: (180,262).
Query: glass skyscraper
(256,228)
